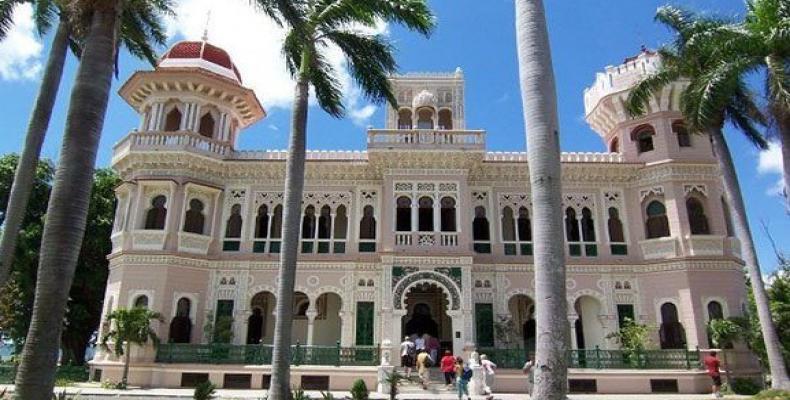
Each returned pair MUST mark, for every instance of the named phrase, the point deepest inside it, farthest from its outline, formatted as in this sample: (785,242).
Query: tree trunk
(25,176)
(68,206)
(126,357)
(539,99)
(280,388)
(732,192)
(783,120)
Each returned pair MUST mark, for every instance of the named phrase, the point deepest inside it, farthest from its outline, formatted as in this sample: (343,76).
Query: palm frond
(675,18)
(283,12)
(640,95)
(44,13)
(746,125)
(7,8)
(293,46)
(327,88)
(371,61)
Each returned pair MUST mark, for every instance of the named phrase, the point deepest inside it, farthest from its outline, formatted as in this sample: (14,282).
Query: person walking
(407,355)
(423,362)
(447,365)
(432,344)
(463,375)
(419,342)
(529,371)
(489,368)
(712,365)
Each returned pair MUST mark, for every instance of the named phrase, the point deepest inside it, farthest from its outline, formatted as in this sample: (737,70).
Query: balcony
(705,245)
(143,239)
(154,141)
(660,248)
(426,139)
(193,243)
(426,239)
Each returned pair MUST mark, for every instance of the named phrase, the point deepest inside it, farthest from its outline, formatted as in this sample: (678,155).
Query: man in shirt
(712,365)
(407,355)
(423,362)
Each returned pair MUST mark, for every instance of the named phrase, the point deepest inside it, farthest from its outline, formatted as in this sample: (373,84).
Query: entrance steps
(414,390)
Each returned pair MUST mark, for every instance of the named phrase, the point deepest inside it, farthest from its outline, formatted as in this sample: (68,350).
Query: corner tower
(658,135)
(195,89)
(428,101)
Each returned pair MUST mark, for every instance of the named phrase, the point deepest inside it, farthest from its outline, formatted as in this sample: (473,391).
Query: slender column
(346,328)
(331,234)
(572,321)
(437,211)
(415,211)
(311,314)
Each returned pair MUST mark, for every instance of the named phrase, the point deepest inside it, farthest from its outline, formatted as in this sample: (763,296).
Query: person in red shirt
(712,365)
(447,365)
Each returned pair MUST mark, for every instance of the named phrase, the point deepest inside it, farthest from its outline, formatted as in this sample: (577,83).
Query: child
(463,375)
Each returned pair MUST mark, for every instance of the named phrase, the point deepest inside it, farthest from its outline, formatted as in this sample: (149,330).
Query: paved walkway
(94,393)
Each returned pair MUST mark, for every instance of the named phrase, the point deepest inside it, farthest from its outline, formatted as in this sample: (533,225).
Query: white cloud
(770,162)
(20,51)
(254,43)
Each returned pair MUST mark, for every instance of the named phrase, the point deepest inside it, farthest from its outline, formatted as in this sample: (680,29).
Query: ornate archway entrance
(426,313)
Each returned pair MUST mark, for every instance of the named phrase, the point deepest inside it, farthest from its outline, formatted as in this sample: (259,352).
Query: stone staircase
(436,387)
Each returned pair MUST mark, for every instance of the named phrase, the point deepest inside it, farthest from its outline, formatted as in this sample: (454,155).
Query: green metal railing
(605,359)
(217,353)
(641,359)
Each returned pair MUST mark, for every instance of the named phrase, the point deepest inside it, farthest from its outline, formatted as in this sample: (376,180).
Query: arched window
(207,125)
(141,301)
(325,222)
(571,225)
(308,223)
(367,225)
(508,227)
(195,221)
(277,222)
(300,305)
(588,225)
(480,228)
(445,119)
(698,222)
(614,146)
(524,225)
(727,217)
(671,332)
(403,214)
(404,119)
(262,222)
(181,325)
(341,223)
(684,138)
(425,118)
(173,120)
(615,226)
(425,214)
(657,223)
(715,311)
(448,214)
(643,135)
(156,216)
(233,226)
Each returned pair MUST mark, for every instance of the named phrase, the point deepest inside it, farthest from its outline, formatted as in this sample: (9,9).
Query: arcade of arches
(313,324)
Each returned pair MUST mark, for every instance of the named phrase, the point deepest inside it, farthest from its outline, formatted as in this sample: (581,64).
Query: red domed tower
(195,90)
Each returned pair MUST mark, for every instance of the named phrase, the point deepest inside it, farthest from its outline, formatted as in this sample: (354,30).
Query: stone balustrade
(660,248)
(144,239)
(170,141)
(705,245)
(193,243)
(426,139)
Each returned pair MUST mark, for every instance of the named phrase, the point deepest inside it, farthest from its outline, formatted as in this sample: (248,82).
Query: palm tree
(136,33)
(68,204)
(128,327)
(315,25)
(539,98)
(716,94)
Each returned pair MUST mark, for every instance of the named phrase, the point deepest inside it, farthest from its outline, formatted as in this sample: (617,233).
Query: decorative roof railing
(426,139)
(572,157)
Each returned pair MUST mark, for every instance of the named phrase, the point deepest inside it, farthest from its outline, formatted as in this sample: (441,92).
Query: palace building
(425,231)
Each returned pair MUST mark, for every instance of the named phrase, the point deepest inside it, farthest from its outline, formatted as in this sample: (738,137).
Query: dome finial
(205,29)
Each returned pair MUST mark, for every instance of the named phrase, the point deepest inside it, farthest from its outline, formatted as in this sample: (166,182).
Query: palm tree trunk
(539,99)
(294,186)
(68,206)
(25,175)
(732,192)
(783,120)
(126,357)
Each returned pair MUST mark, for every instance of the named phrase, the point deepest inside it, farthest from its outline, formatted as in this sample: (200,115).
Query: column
(415,212)
(311,314)
(437,214)
(572,321)
(346,328)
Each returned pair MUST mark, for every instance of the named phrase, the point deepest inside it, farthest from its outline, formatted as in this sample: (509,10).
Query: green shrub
(299,394)
(744,386)
(359,391)
(772,394)
(204,391)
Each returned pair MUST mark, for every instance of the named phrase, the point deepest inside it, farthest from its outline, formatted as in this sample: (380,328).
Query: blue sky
(476,35)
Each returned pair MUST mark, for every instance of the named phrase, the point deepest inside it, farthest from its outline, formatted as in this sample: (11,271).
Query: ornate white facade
(424,221)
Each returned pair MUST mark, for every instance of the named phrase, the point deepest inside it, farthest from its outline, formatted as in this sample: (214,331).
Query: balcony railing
(660,248)
(170,141)
(428,139)
(705,245)
(680,359)
(426,239)
(259,354)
